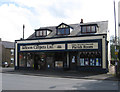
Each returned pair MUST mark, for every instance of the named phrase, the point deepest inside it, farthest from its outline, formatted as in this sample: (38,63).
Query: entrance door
(36,59)
(73,60)
(39,61)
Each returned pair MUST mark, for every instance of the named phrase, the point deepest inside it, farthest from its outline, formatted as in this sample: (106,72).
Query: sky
(41,13)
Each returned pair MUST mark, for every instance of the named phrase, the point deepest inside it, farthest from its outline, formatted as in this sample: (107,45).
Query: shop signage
(43,47)
(82,45)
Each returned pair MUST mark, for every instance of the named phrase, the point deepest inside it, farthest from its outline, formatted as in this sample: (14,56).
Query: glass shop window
(90,59)
(30,61)
(26,60)
(22,59)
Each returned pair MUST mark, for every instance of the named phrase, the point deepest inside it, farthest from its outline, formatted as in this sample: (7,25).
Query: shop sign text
(43,47)
(82,46)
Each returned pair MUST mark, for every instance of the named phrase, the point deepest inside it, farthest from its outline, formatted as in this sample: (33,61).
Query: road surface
(28,82)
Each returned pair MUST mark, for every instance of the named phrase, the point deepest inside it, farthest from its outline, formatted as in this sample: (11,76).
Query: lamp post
(116,72)
(23,30)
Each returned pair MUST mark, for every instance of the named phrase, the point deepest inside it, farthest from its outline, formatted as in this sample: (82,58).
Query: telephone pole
(116,52)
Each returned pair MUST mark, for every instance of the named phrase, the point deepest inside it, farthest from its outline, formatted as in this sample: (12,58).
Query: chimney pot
(81,21)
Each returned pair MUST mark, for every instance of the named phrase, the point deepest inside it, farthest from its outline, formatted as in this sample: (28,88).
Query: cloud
(39,13)
(12,18)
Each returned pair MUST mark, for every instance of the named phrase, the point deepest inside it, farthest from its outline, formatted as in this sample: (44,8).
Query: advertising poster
(81,61)
(92,62)
(97,61)
(86,61)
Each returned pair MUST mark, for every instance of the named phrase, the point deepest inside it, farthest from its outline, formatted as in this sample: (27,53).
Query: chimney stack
(81,21)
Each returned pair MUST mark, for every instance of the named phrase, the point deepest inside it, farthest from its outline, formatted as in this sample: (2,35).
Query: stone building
(7,52)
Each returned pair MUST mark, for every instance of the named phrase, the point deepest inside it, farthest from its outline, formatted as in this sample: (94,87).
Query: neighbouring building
(82,46)
(7,52)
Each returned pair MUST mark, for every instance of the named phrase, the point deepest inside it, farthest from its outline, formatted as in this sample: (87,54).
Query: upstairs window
(88,28)
(42,33)
(63,29)
(12,52)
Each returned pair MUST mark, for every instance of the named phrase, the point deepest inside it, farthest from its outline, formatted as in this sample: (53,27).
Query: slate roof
(102,29)
(7,44)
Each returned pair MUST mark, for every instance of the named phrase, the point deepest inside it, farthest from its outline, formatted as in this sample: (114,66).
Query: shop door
(39,62)
(73,60)
(36,59)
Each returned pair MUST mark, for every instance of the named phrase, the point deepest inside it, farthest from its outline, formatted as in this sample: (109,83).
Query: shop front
(75,54)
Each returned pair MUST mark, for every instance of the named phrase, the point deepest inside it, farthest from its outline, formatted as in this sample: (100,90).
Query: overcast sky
(38,13)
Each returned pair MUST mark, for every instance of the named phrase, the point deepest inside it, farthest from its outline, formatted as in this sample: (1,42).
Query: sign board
(116,52)
(82,45)
(61,46)
(43,47)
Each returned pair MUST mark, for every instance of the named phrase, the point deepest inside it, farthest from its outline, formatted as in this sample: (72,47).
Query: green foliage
(113,56)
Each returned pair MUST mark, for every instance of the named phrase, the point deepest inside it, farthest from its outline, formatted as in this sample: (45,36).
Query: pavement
(63,74)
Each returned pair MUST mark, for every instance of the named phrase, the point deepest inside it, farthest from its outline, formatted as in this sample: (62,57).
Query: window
(12,52)
(90,59)
(63,31)
(88,29)
(12,60)
(41,33)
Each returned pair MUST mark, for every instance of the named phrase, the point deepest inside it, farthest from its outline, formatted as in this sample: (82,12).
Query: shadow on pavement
(63,74)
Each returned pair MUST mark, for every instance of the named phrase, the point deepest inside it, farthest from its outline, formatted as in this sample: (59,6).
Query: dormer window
(89,28)
(63,29)
(42,32)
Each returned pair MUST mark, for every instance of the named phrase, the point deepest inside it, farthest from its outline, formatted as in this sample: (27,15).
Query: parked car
(5,64)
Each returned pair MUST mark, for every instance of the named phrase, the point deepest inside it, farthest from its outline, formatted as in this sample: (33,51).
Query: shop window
(88,28)
(26,60)
(90,59)
(60,59)
(59,64)
(81,61)
(22,59)
(30,61)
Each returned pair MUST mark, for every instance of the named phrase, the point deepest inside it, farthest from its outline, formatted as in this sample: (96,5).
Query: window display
(73,59)
(22,59)
(81,61)
(90,59)
(59,64)
(97,61)
(92,62)
(86,61)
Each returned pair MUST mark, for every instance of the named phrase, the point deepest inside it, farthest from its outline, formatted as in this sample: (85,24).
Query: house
(7,52)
